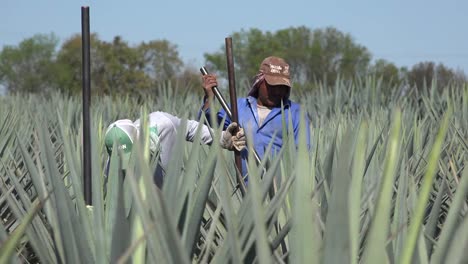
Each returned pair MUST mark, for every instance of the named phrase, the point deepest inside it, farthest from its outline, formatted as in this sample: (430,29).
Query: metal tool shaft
(226,107)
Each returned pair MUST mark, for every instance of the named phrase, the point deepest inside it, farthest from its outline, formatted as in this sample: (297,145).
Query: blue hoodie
(272,127)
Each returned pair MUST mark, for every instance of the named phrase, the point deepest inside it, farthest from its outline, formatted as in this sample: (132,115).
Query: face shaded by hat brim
(277,80)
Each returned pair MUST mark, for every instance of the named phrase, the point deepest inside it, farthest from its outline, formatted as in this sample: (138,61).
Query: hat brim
(277,80)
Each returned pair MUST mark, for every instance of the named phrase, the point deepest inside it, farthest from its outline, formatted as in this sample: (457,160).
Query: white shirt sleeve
(167,127)
(205,133)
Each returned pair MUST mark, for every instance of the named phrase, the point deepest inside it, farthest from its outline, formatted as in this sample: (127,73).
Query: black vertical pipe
(86,87)
(235,115)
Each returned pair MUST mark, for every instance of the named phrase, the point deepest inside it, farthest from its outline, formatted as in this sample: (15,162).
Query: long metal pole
(226,108)
(235,116)
(86,87)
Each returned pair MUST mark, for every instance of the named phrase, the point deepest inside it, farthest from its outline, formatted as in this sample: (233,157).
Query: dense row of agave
(384,182)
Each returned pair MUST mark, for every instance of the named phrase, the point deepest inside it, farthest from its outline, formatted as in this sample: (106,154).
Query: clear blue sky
(403,32)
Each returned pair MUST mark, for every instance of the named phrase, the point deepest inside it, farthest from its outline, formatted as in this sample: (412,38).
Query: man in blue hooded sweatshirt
(260,112)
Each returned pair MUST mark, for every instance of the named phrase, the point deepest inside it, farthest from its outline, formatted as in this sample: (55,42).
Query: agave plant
(385,181)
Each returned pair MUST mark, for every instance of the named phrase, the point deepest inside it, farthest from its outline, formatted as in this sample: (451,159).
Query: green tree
(69,63)
(161,59)
(422,74)
(120,68)
(313,55)
(386,70)
(117,67)
(29,67)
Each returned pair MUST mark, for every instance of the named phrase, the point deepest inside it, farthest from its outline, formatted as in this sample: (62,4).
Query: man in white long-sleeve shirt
(163,129)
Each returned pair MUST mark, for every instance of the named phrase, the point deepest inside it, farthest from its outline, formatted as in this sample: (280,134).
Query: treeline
(37,66)
(320,56)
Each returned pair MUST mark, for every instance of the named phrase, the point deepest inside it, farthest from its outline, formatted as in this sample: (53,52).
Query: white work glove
(233,138)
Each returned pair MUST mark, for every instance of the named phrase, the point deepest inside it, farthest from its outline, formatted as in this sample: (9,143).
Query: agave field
(385,181)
